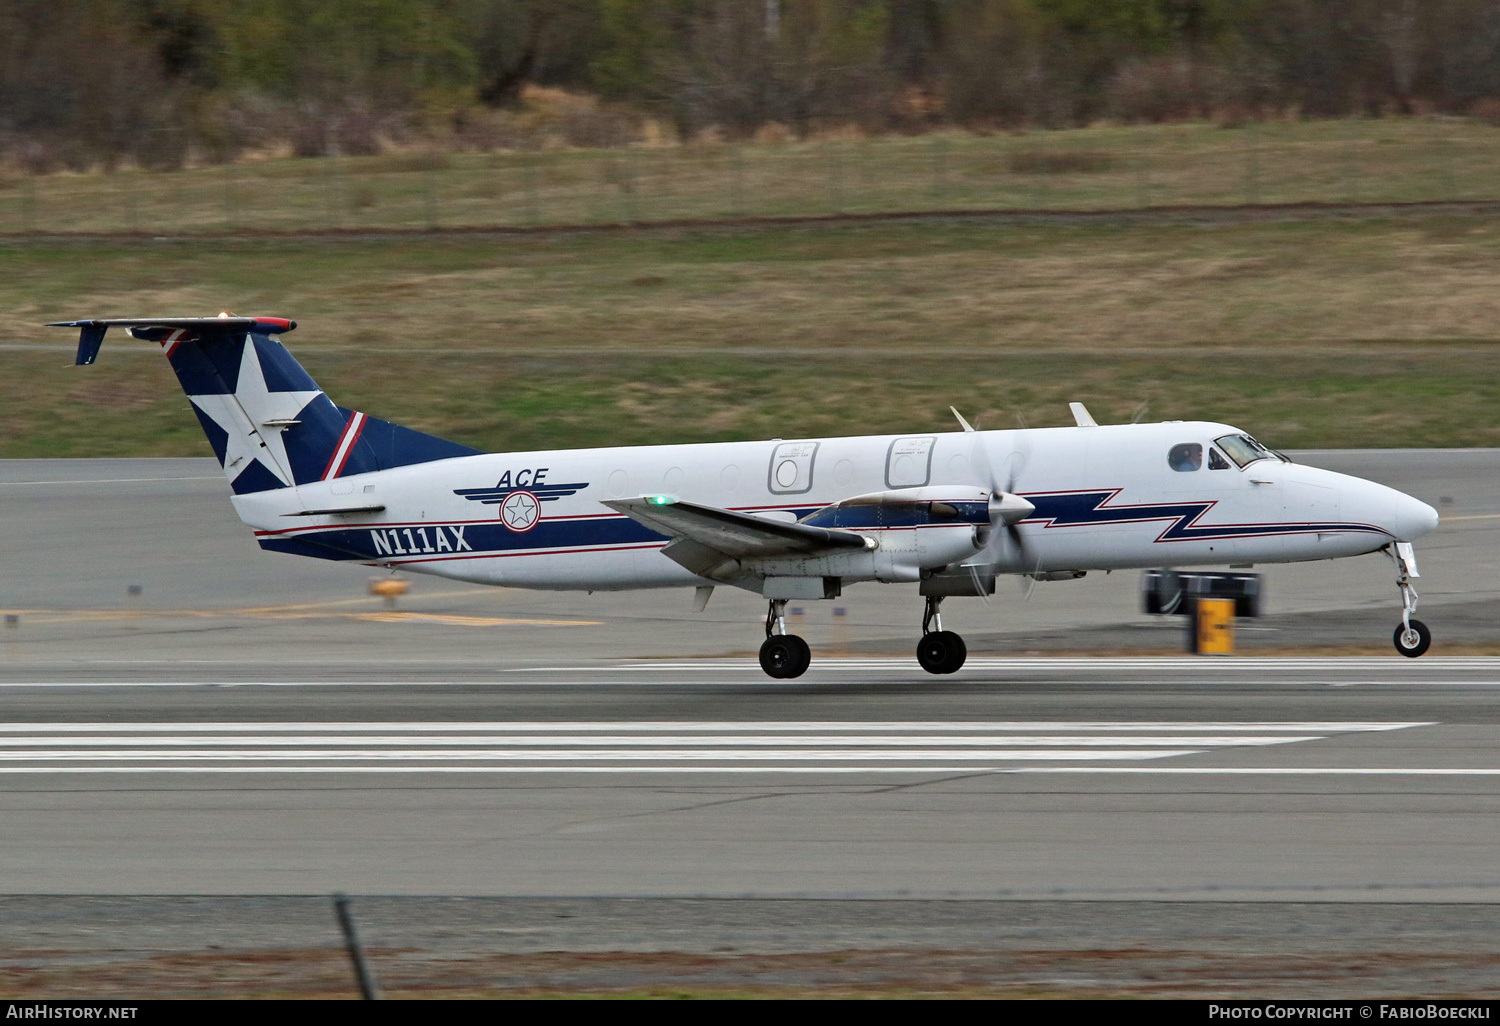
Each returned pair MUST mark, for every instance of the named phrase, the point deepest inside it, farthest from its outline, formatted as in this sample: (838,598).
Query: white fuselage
(1105,497)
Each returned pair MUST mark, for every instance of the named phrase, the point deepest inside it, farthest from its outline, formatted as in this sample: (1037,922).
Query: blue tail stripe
(217,437)
(255,478)
(283,373)
(383,445)
(310,443)
(209,367)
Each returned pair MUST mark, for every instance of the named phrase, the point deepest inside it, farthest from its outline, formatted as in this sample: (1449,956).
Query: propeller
(1028,584)
(981,587)
(1006,509)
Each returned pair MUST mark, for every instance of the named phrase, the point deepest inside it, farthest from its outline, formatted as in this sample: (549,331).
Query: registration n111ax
(787,519)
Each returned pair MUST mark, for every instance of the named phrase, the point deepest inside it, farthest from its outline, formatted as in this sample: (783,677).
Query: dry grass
(1312,333)
(1103,168)
(1186,972)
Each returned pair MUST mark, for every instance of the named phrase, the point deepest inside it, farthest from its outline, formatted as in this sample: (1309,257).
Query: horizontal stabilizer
(158,329)
(736,535)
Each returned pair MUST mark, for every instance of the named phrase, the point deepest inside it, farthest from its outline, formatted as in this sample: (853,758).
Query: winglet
(90,337)
(89,341)
(966,425)
(1081,415)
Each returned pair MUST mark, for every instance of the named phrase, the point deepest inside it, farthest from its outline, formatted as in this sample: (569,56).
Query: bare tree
(521,41)
(822,64)
(1398,30)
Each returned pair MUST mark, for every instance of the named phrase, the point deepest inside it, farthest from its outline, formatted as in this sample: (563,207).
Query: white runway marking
(553,726)
(1305,771)
(1394,665)
(1282,771)
(1185,664)
(664,746)
(716,742)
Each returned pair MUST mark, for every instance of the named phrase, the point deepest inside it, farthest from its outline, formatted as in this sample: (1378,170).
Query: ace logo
(526,478)
(520,495)
(520,511)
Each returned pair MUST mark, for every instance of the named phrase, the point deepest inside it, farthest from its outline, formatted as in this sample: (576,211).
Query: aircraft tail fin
(269,423)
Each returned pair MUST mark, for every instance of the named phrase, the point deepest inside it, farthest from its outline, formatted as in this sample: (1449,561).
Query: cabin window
(1185,457)
(1243,449)
(1216,460)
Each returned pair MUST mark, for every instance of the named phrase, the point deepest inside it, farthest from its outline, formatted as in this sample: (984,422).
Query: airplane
(787,519)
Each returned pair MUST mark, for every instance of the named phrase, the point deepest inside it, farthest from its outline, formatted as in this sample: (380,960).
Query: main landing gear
(782,655)
(1412,637)
(785,656)
(939,651)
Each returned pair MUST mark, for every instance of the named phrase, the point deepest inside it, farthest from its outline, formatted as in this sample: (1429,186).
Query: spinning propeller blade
(1006,509)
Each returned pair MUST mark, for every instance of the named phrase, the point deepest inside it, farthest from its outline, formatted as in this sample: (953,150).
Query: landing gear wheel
(784,656)
(1414,641)
(941,652)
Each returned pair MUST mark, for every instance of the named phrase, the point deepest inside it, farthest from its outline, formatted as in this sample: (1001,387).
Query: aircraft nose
(1414,518)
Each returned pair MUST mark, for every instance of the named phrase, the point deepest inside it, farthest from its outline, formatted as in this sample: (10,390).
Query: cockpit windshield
(1244,450)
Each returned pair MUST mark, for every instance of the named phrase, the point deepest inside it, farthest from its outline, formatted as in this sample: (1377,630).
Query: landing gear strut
(1412,637)
(782,655)
(939,651)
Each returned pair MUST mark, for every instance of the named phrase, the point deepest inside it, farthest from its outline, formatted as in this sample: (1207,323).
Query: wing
(733,535)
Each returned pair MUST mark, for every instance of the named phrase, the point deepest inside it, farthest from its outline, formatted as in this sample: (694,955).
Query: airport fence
(1392,160)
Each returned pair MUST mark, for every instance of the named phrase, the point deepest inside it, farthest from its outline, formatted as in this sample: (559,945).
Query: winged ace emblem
(521,506)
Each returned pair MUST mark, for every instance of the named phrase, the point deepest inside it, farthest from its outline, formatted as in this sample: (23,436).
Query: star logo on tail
(254,418)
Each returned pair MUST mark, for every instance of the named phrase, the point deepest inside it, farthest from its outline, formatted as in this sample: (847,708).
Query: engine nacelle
(914,529)
(933,506)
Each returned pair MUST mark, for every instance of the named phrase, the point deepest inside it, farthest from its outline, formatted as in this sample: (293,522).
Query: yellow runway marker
(470,621)
(456,593)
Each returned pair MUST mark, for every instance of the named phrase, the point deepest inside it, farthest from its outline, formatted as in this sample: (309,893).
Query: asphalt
(251,727)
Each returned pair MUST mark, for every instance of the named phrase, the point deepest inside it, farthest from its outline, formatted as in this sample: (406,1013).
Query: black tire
(1423,640)
(784,656)
(804,655)
(941,652)
(957,654)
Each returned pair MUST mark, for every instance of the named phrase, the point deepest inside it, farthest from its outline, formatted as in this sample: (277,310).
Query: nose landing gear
(782,655)
(1412,637)
(939,651)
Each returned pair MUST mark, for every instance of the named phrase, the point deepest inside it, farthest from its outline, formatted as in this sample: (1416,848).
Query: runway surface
(1266,779)
(252,724)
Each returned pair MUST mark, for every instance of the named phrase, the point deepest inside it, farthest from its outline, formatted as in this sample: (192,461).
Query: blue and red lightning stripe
(1094,509)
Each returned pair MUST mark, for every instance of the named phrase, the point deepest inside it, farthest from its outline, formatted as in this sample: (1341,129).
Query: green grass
(1102,168)
(1308,333)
